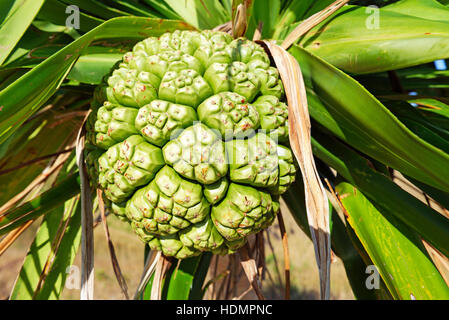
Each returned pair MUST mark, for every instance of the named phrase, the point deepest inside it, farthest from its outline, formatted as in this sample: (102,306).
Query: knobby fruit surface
(188,139)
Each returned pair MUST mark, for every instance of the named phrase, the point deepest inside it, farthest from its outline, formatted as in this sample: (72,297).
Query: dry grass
(129,249)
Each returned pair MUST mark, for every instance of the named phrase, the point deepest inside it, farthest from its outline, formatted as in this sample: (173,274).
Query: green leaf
(267,12)
(421,126)
(430,224)
(227,4)
(427,9)
(423,79)
(179,281)
(54,248)
(16,15)
(55,12)
(47,26)
(146,294)
(35,46)
(199,13)
(355,260)
(64,225)
(434,111)
(91,68)
(297,11)
(397,252)
(352,114)
(37,56)
(26,95)
(133,8)
(163,9)
(9,76)
(426,133)
(432,105)
(96,8)
(361,40)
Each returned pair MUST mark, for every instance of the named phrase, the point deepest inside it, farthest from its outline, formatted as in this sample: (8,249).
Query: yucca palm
(369,135)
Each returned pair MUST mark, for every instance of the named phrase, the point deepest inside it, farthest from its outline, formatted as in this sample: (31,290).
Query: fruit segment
(253,161)
(128,165)
(230,114)
(160,121)
(273,117)
(244,211)
(197,153)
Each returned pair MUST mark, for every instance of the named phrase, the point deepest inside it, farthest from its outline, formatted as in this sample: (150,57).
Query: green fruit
(185,139)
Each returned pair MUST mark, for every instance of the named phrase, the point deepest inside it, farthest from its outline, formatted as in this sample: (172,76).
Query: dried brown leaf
(87,234)
(440,260)
(226,279)
(260,257)
(150,265)
(51,171)
(210,285)
(300,141)
(286,255)
(225,27)
(12,236)
(240,22)
(33,161)
(250,268)
(258,32)
(162,267)
(244,293)
(273,254)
